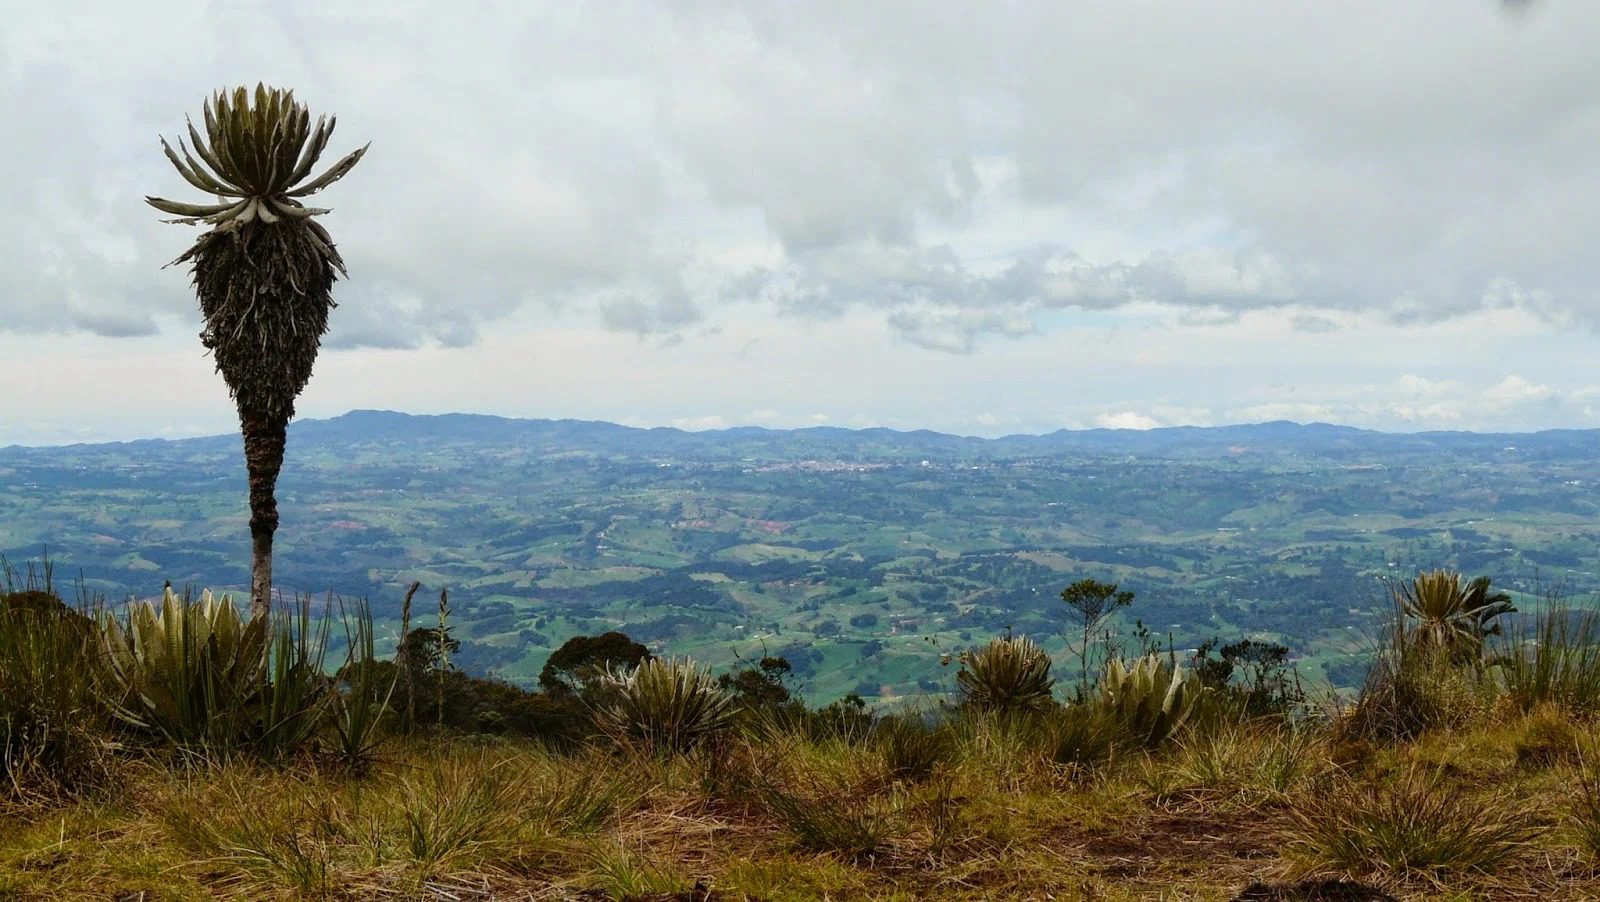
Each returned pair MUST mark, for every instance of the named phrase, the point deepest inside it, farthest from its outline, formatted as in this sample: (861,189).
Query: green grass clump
(54,732)
(1552,658)
(912,747)
(1423,823)
(1547,737)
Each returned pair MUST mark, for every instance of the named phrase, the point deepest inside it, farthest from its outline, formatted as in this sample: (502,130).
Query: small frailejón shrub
(187,669)
(1150,699)
(196,673)
(1009,674)
(667,705)
(1449,614)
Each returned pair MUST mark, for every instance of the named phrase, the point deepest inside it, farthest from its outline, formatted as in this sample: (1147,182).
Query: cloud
(1514,390)
(1126,420)
(963,177)
(1168,209)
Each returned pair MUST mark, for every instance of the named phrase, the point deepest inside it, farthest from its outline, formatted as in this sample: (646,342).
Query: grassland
(1222,816)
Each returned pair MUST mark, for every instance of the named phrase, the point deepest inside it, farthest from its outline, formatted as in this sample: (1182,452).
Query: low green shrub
(1151,699)
(1011,673)
(665,706)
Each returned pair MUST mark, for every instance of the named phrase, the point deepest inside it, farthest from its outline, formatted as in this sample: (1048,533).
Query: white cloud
(1514,390)
(1127,419)
(1164,210)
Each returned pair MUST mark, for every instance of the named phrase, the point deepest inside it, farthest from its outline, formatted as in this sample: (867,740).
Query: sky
(977,218)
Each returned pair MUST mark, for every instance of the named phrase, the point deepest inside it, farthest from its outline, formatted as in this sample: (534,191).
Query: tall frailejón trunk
(263,458)
(263,274)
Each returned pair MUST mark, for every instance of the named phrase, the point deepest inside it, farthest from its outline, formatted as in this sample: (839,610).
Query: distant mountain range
(381,426)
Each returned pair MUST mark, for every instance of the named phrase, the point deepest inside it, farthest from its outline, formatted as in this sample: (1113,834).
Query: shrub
(1423,824)
(761,689)
(1249,677)
(1554,659)
(1151,699)
(1548,738)
(582,662)
(196,673)
(51,715)
(665,706)
(1009,674)
(1446,614)
(189,669)
(912,748)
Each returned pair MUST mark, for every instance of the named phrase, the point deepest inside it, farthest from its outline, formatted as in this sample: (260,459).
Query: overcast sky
(974,217)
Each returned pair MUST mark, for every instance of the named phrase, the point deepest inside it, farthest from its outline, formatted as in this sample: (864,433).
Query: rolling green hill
(858,554)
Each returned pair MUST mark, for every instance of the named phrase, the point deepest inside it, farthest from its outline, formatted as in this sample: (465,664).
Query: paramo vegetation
(180,748)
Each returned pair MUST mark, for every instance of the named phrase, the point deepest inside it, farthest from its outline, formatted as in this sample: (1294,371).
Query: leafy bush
(665,705)
(1011,673)
(196,673)
(1423,824)
(762,689)
(189,669)
(1250,678)
(1446,614)
(1151,699)
(582,662)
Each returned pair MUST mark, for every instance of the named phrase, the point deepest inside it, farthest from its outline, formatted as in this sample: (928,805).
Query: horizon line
(1091,430)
